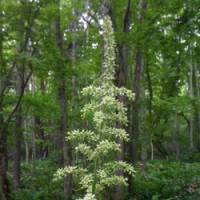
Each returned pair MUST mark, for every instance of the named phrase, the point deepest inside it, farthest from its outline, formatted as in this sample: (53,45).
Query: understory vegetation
(166,180)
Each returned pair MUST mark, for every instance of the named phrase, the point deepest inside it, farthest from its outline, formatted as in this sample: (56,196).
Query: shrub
(168,181)
(37,184)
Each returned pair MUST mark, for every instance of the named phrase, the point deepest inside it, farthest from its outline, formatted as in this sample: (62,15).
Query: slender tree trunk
(137,89)
(152,149)
(35,129)
(26,152)
(63,134)
(72,54)
(150,108)
(139,64)
(144,134)
(191,93)
(196,106)
(26,143)
(18,131)
(176,137)
(121,81)
(4,185)
(43,151)
(62,97)
(40,134)
(135,113)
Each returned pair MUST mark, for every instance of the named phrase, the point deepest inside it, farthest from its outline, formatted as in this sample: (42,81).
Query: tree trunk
(121,81)
(44,149)
(4,185)
(176,137)
(63,134)
(149,82)
(191,93)
(26,152)
(197,96)
(135,113)
(18,131)
(35,129)
(62,97)
(139,64)
(137,89)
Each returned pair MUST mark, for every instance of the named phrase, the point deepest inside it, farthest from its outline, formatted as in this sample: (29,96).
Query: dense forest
(99,99)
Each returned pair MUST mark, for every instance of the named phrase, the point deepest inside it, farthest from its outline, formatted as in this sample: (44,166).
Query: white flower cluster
(75,170)
(82,136)
(88,196)
(109,51)
(97,150)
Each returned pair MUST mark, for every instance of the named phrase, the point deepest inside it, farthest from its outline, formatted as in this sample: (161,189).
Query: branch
(127,17)
(93,17)
(18,102)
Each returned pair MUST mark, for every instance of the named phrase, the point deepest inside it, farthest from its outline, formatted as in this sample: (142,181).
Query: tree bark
(35,128)
(139,65)
(121,81)
(18,131)
(191,93)
(197,96)
(62,98)
(135,113)
(149,82)
(4,185)
(176,137)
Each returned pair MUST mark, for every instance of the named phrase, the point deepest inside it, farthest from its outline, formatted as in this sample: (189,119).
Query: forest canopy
(99,100)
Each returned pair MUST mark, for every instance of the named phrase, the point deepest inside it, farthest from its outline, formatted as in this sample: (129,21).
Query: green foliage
(37,182)
(168,39)
(168,181)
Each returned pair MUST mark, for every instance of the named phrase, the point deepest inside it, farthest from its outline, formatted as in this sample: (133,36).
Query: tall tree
(139,67)
(97,167)
(19,131)
(122,77)
(62,98)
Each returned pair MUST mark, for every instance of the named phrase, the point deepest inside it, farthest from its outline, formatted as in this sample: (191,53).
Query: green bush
(162,180)
(37,184)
